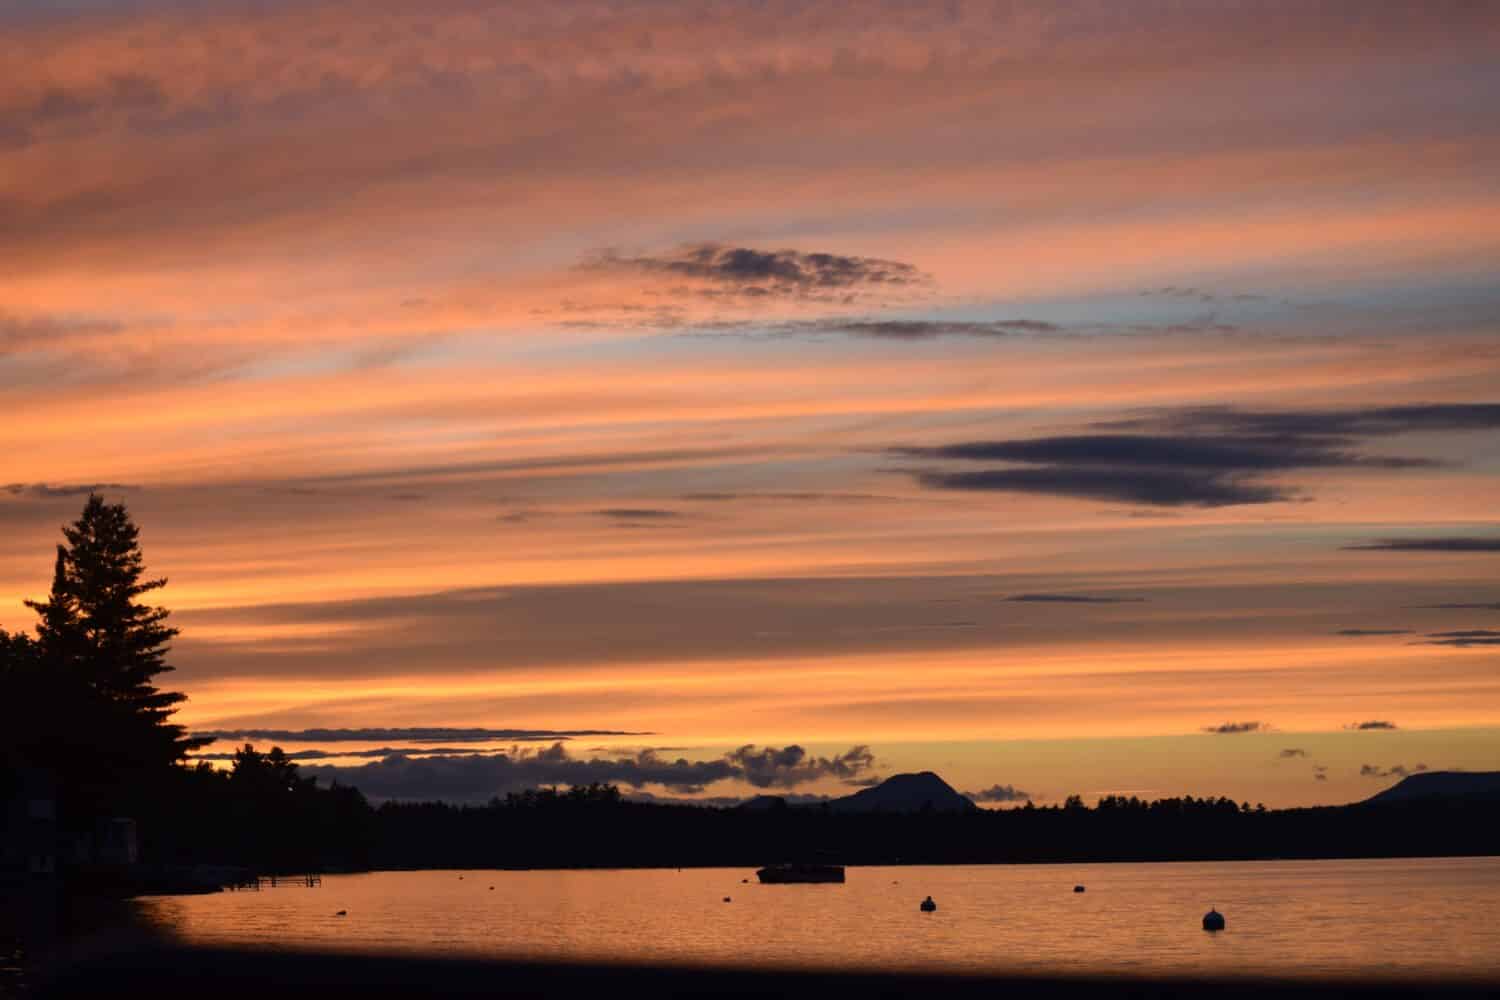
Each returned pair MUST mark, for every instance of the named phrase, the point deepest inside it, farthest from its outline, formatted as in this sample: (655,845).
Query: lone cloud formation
(755,273)
(1001,793)
(1230,728)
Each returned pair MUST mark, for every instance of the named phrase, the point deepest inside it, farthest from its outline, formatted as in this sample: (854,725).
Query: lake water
(1417,918)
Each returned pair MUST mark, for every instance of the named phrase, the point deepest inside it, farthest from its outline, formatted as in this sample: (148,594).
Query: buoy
(341,913)
(726,899)
(928,905)
(1078,888)
(744,881)
(1213,920)
(492,888)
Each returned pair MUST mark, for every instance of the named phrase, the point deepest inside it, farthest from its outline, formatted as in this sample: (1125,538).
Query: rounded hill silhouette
(923,791)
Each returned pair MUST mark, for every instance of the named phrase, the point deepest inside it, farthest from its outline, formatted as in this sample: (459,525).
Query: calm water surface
(1400,918)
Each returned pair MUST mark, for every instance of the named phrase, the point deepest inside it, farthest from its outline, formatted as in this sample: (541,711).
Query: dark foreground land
(255,975)
(316,829)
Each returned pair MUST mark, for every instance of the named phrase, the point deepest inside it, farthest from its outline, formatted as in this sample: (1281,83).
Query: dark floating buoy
(492,888)
(928,905)
(744,881)
(726,899)
(460,878)
(1078,888)
(1213,920)
(342,913)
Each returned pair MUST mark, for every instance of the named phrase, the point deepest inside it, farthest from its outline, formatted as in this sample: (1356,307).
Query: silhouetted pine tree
(100,648)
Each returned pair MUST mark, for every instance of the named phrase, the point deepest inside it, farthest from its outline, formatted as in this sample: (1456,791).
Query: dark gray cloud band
(1156,487)
(1452,543)
(372,753)
(419,734)
(1222,454)
(1463,638)
(917,329)
(1203,457)
(638,513)
(477,777)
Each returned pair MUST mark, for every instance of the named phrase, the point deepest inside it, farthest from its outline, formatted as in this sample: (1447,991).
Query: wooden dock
(260,882)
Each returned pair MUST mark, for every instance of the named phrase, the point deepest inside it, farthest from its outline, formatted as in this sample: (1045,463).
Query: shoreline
(752,865)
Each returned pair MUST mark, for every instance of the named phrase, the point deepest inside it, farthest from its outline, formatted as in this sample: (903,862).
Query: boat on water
(781,874)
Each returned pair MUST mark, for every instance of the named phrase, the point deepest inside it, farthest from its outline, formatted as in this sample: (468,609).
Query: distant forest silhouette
(78,705)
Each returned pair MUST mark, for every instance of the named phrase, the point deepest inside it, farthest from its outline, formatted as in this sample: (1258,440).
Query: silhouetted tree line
(597,827)
(260,813)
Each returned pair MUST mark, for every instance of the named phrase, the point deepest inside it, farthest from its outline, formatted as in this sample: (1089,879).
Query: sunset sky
(1064,397)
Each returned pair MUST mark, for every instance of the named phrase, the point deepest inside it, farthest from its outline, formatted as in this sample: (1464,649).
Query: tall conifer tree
(104,646)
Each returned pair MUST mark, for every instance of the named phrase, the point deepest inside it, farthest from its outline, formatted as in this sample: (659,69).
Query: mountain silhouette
(1466,785)
(906,793)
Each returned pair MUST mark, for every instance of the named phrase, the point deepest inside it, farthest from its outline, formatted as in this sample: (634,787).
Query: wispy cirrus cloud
(789,496)
(1461,606)
(1463,638)
(1200,295)
(61,491)
(1071,599)
(1395,771)
(34,332)
(1295,425)
(1363,632)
